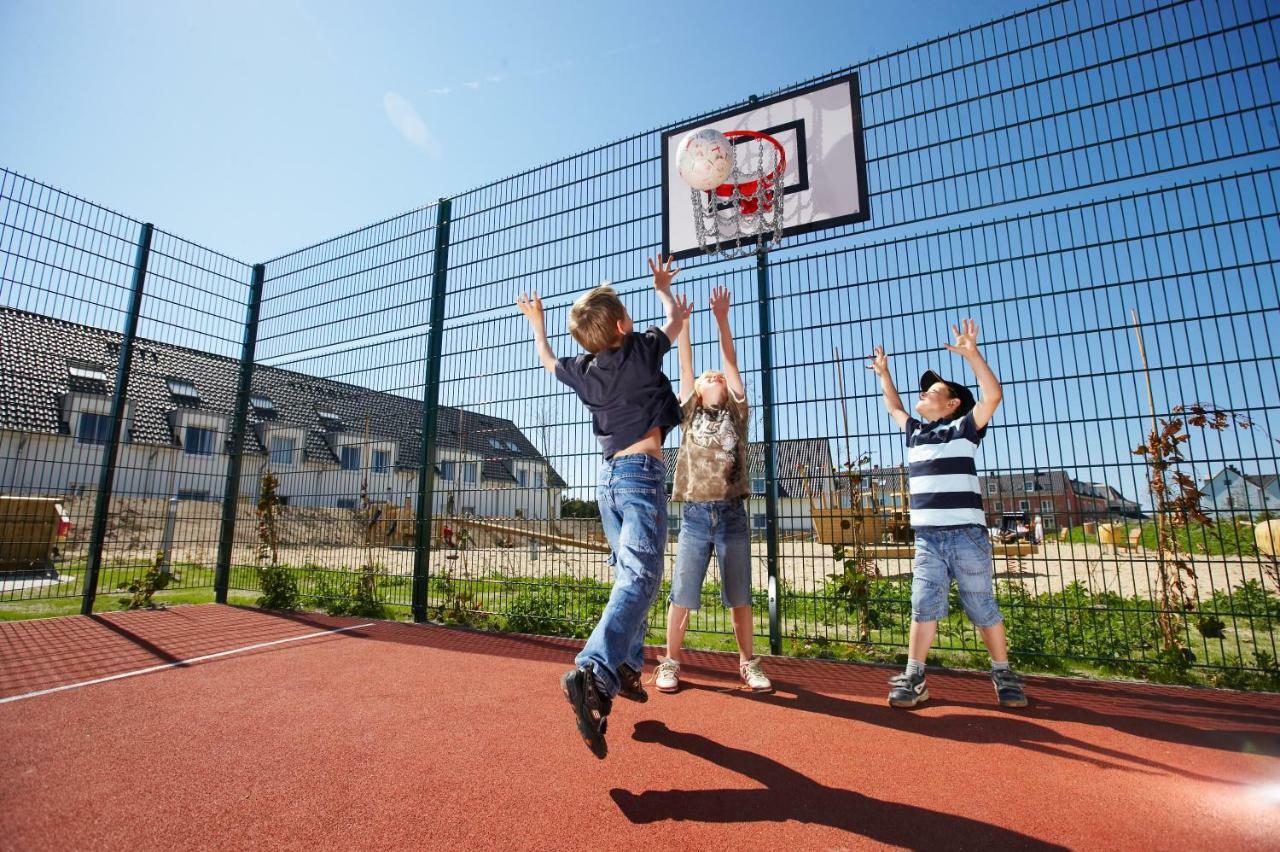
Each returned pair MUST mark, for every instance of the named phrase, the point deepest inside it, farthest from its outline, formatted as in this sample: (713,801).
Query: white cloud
(474,84)
(442,91)
(411,126)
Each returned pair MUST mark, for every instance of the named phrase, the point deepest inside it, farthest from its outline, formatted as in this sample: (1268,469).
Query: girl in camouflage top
(713,483)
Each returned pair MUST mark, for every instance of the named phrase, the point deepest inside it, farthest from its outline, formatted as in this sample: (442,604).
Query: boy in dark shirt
(632,407)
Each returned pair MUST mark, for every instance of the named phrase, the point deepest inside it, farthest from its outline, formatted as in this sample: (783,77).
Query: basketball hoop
(745,213)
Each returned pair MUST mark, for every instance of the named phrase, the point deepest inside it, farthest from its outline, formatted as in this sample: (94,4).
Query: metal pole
(231,492)
(430,410)
(119,404)
(770,459)
(166,547)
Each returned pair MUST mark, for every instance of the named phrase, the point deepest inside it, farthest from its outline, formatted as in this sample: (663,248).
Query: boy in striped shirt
(946,514)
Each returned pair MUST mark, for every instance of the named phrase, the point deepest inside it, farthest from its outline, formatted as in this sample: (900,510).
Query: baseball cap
(958,391)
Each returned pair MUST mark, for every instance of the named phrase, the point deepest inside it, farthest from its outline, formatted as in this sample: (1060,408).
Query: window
(94,428)
(538,479)
(328,419)
(85,370)
(189,494)
(1046,505)
(757,486)
(1000,506)
(511,445)
(282,450)
(350,458)
(262,406)
(1024,505)
(184,390)
(759,521)
(1050,523)
(468,472)
(496,444)
(198,441)
(991,487)
(1029,485)
(520,478)
(346,503)
(381,461)
(447,470)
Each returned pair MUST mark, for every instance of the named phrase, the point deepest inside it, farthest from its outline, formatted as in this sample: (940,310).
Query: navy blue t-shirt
(624,389)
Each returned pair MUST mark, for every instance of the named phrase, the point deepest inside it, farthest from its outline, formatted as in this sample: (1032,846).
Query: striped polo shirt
(943,477)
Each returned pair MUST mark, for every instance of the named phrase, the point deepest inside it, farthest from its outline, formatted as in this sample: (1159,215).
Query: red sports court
(214,727)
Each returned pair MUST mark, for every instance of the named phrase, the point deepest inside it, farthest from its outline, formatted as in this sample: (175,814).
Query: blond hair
(702,377)
(594,318)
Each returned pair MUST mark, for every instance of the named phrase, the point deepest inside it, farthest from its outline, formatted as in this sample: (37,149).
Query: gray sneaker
(1008,684)
(908,690)
(752,672)
(666,677)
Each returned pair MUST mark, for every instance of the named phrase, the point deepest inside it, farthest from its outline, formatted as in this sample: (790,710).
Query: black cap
(958,391)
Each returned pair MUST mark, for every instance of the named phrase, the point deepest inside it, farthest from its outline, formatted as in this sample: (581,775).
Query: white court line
(160,668)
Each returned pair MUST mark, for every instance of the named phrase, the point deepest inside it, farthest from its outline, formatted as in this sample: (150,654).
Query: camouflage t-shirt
(712,464)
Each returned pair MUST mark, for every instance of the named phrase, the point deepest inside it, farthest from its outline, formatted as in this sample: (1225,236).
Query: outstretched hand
(531,307)
(662,272)
(720,303)
(684,307)
(966,338)
(879,362)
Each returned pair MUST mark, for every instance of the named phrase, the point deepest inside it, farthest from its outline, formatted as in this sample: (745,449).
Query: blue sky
(257,128)
(259,132)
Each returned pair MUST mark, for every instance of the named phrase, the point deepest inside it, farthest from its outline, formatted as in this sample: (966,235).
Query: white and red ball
(704,159)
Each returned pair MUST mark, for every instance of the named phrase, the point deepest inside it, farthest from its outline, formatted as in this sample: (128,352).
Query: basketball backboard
(820,129)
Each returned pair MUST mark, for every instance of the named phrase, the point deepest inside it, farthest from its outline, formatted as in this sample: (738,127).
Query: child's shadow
(977,730)
(788,795)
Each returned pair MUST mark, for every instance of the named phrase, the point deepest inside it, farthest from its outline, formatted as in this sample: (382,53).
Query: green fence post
(119,404)
(231,493)
(430,408)
(770,461)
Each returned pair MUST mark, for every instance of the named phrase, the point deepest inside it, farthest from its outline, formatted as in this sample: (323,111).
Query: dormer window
(183,392)
(87,372)
(93,428)
(511,445)
(328,419)
(262,406)
(496,444)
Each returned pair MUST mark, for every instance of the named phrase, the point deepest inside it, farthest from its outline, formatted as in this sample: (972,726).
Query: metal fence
(1054,174)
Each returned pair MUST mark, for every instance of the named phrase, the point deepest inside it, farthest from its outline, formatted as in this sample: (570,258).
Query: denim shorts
(719,525)
(962,554)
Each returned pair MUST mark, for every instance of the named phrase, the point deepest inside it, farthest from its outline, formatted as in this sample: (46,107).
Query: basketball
(704,159)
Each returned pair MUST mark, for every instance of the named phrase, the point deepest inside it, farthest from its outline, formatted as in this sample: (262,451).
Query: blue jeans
(719,525)
(633,509)
(962,554)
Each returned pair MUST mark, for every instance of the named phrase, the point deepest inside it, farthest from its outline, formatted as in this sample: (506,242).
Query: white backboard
(820,129)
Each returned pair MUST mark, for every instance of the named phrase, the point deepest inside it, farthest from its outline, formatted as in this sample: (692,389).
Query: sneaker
(908,690)
(753,676)
(590,706)
(630,686)
(666,677)
(1008,684)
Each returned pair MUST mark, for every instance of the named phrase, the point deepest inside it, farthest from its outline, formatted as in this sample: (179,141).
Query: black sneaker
(1008,684)
(590,706)
(908,690)
(630,687)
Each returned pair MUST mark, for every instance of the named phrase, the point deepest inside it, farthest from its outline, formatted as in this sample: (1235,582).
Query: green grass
(1222,538)
(1073,631)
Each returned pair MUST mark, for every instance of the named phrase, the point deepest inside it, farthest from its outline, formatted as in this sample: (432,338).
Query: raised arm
(531,307)
(990,393)
(687,374)
(662,275)
(728,354)
(892,402)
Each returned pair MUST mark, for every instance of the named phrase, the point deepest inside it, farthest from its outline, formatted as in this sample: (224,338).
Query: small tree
(141,589)
(853,585)
(279,587)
